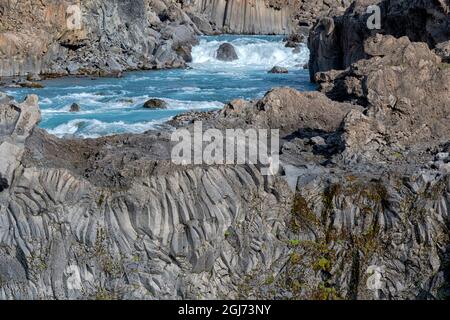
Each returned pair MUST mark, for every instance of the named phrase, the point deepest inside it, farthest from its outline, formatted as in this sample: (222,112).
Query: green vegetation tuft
(444,66)
(295,258)
(302,214)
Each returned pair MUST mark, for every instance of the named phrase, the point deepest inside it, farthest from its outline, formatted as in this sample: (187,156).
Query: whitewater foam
(93,128)
(253,53)
(112,106)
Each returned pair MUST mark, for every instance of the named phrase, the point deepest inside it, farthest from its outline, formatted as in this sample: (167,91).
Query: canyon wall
(264,16)
(106,37)
(246,17)
(338,42)
(350,215)
(93,36)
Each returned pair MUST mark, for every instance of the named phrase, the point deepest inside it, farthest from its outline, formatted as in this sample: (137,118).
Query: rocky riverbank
(107,37)
(359,209)
(95,37)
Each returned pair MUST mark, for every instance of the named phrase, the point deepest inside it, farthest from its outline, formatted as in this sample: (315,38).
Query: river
(111,106)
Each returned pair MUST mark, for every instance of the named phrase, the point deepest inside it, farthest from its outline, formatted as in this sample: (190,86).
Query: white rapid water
(112,106)
(93,128)
(253,53)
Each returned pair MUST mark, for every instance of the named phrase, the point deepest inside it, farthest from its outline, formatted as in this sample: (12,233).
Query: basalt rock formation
(263,16)
(114,218)
(106,37)
(337,42)
(99,37)
(359,208)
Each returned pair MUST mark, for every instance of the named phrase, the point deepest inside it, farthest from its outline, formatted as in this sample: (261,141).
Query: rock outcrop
(263,16)
(99,37)
(337,42)
(114,218)
(75,107)
(155,104)
(443,50)
(278,69)
(245,17)
(405,88)
(160,234)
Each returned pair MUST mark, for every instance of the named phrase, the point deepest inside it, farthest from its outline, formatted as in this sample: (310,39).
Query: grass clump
(295,258)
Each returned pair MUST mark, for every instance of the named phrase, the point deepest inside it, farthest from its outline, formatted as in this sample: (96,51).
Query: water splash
(253,53)
(111,106)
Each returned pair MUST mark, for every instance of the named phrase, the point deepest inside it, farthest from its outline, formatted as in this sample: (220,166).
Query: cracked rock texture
(405,88)
(264,16)
(95,37)
(358,210)
(113,218)
(337,42)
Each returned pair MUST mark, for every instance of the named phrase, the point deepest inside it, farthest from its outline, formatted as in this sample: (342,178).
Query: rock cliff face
(264,16)
(93,37)
(336,43)
(360,208)
(106,37)
(113,218)
(246,17)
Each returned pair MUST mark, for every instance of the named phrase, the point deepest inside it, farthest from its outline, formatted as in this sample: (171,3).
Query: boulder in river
(31,85)
(278,69)
(227,52)
(294,40)
(75,107)
(155,104)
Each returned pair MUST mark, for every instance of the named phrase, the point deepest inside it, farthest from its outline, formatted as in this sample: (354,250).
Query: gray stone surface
(113,36)
(113,218)
(226,52)
(278,69)
(338,41)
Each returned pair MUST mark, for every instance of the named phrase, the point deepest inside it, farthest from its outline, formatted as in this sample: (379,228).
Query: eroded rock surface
(264,16)
(114,218)
(337,42)
(98,37)
(405,89)
(358,210)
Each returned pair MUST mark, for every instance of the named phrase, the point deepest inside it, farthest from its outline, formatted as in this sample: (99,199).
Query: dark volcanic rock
(358,210)
(75,107)
(288,110)
(294,40)
(155,104)
(226,52)
(130,37)
(406,90)
(125,207)
(336,43)
(278,69)
(31,85)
